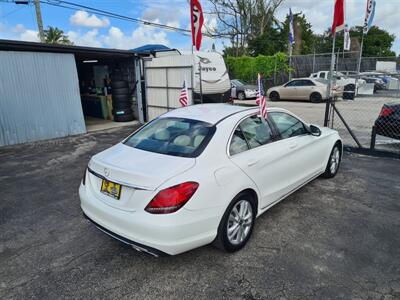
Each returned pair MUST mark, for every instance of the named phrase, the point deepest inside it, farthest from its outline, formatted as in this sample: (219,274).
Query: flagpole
(290,60)
(359,61)
(329,87)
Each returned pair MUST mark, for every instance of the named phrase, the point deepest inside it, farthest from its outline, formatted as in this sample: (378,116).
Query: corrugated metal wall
(164,78)
(39,97)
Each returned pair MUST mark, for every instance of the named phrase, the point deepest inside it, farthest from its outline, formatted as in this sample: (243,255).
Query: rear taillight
(386,111)
(84,177)
(171,199)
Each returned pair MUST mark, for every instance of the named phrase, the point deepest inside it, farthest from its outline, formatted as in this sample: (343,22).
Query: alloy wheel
(239,222)
(335,160)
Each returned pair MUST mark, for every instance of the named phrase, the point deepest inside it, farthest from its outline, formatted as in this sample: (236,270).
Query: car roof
(211,112)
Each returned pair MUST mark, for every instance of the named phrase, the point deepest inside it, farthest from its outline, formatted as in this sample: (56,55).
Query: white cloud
(138,37)
(21,33)
(116,38)
(89,38)
(82,18)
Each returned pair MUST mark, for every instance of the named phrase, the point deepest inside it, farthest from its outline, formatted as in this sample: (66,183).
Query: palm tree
(54,35)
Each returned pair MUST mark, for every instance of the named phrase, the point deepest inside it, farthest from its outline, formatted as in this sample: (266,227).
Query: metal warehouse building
(50,91)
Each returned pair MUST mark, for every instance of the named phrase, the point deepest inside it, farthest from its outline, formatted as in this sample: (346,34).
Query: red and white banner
(197,20)
(338,16)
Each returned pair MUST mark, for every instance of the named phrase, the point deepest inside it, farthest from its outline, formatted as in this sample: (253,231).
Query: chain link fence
(372,120)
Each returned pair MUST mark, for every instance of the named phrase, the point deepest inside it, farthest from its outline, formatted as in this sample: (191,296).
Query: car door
(254,148)
(304,158)
(289,90)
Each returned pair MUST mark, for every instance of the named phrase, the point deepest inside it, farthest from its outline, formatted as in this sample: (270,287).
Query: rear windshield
(173,136)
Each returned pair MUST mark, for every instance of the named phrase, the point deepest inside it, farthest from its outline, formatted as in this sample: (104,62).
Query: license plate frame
(111,189)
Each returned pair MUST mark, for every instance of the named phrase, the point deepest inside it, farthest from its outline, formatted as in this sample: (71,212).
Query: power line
(75,6)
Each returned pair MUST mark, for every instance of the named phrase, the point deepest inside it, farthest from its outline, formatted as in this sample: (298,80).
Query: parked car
(242,90)
(388,121)
(202,174)
(347,83)
(378,82)
(311,89)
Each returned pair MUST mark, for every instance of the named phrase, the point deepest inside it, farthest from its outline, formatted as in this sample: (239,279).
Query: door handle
(252,162)
(293,145)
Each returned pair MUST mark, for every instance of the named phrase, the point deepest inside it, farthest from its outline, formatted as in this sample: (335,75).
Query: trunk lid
(139,172)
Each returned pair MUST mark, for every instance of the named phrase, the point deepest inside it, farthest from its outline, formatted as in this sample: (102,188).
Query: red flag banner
(338,17)
(197,20)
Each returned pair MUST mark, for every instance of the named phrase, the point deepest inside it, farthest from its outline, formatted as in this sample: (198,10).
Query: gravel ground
(334,238)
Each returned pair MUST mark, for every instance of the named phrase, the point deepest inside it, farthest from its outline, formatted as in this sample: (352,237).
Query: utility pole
(39,21)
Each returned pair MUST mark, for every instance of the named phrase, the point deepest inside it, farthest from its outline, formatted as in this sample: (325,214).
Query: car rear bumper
(154,234)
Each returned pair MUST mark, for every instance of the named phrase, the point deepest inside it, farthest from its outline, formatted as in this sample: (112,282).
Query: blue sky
(18,22)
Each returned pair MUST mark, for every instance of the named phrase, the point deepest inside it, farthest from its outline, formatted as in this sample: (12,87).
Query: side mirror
(314,130)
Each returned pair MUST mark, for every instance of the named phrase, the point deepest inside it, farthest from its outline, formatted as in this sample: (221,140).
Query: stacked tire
(122,103)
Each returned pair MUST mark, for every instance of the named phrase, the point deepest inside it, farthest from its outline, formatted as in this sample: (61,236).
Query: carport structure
(42,87)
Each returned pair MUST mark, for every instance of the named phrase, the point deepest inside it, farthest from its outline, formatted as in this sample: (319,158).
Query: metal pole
(39,21)
(290,61)
(359,63)
(328,89)
(337,60)
(313,63)
(201,84)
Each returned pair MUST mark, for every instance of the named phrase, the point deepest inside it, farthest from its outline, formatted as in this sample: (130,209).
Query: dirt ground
(335,238)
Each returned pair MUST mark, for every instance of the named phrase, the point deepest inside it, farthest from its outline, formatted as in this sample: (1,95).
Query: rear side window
(173,136)
(287,125)
(256,132)
(251,133)
(238,143)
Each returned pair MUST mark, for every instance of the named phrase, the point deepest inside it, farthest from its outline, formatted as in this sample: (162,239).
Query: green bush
(247,68)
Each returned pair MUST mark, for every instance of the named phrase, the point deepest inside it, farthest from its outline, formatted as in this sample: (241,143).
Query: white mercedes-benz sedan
(202,174)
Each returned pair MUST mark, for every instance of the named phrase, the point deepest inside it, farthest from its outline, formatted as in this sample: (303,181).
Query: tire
(334,162)
(122,105)
(120,98)
(124,118)
(120,91)
(274,96)
(119,84)
(241,96)
(227,242)
(315,97)
(122,111)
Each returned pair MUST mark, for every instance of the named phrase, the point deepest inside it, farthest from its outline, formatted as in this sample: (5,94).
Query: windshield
(173,136)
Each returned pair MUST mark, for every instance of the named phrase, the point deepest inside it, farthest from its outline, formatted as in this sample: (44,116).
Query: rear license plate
(111,189)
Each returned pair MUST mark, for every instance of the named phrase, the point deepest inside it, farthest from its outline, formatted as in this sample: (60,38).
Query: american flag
(261,99)
(183,97)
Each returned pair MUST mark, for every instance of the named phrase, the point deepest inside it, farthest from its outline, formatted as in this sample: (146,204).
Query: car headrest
(182,140)
(197,140)
(162,135)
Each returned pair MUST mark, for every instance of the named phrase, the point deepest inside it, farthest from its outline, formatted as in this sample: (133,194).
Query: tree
(276,38)
(377,42)
(242,20)
(54,35)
